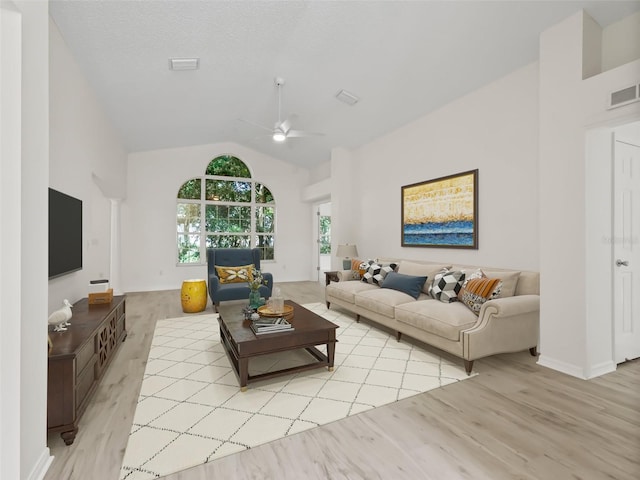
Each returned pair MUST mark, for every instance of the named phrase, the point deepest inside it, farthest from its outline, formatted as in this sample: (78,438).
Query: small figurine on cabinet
(60,318)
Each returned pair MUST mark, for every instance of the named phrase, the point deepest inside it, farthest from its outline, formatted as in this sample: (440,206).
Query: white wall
(575,212)
(346,207)
(24,139)
(493,129)
(621,42)
(10,236)
(34,455)
(321,172)
(84,145)
(149,215)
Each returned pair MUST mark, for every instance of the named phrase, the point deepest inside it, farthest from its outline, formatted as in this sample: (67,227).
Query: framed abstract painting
(442,212)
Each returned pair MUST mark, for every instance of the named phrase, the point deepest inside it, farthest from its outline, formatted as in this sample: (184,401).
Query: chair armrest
(347,275)
(214,282)
(268,277)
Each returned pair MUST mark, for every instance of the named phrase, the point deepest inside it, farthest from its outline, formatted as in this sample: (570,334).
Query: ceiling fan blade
(300,133)
(256,125)
(285,125)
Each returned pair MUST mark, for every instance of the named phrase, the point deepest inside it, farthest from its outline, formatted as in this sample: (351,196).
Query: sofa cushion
(446,320)
(346,290)
(381,300)
(477,291)
(420,269)
(377,271)
(358,267)
(409,284)
(509,281)
(446,285)
(479,273)
(240,274)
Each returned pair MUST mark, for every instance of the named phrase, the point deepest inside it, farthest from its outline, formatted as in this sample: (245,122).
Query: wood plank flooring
(516,420)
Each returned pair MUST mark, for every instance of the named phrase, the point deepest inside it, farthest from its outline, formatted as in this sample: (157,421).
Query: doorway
(603,304)
(626,244)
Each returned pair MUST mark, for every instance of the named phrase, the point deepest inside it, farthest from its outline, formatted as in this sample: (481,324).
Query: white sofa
(509,323)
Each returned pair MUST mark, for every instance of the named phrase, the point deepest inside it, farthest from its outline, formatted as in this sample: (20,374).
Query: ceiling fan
(282,128)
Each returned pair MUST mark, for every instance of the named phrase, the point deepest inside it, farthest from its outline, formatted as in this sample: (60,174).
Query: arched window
(224,208)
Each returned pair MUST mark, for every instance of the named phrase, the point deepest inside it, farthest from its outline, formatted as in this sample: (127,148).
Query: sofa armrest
(511,306)
(504,325)
(347,275)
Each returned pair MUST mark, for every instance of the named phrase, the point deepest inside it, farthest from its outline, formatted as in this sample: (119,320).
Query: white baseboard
(601,369)
(560,366)
(42,465)
(584,373)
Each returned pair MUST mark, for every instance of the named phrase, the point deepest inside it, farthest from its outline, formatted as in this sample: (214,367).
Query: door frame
(318,209)
(598,312)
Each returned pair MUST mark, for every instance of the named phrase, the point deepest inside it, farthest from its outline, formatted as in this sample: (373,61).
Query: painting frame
(441,213)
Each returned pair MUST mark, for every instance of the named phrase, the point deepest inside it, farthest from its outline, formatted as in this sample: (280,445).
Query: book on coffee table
(272,322)
(270,325)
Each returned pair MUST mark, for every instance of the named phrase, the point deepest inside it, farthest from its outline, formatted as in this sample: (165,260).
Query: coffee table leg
(243,364)
(331,350)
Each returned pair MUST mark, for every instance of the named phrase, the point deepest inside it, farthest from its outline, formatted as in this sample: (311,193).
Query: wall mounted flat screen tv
(65,234)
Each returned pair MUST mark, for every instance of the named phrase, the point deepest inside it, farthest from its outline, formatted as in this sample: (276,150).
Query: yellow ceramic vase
(194,296)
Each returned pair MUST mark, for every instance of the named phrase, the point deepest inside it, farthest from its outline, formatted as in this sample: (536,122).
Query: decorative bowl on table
(265,311)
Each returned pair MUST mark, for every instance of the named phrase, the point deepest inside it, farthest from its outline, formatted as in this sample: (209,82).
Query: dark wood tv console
(77,360)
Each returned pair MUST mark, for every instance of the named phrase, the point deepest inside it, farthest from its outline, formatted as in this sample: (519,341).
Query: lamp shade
(347,251)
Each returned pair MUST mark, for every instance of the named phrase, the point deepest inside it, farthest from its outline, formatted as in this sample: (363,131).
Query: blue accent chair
(233,257)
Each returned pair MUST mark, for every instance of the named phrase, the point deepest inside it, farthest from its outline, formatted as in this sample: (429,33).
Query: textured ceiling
(403,59)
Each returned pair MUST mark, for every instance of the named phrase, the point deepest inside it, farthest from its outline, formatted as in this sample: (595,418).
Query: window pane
(263,194)
(191,189)
(228,166)
(223,218)
(325,234)
(188,248)
(188,218)
(265,244)
(264,219)
(228,241)
(228,191)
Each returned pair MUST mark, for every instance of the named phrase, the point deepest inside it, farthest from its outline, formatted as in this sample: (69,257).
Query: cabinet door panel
(84,382)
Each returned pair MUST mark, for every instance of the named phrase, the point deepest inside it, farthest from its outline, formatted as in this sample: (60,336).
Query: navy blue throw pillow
(404,283)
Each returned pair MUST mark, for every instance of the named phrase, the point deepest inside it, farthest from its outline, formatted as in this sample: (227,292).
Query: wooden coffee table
(241,343)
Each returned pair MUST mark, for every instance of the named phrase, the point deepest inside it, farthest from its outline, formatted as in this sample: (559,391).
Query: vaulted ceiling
(402,59)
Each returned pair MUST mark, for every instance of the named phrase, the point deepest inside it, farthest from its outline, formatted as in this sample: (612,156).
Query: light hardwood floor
(515,420)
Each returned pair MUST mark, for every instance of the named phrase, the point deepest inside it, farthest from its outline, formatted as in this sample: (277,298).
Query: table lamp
(347,252)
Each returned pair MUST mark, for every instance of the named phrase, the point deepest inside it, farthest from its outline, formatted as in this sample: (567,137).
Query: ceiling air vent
(624,96)
(347,97)
(184,63)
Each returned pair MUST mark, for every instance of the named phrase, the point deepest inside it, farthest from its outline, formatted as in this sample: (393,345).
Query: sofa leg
(357,318)
(533,351)
(215,306)
(398,336)
(328,304)
(468,366)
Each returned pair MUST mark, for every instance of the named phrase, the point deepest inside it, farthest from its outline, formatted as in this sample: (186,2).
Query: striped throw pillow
(477,291)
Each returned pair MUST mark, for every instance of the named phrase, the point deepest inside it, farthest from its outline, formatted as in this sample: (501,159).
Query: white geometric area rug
(191,410)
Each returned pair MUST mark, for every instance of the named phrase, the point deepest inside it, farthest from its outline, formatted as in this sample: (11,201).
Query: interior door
(626,250)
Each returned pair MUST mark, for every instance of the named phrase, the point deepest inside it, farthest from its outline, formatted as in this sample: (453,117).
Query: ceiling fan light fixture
(279,136)
(347,97)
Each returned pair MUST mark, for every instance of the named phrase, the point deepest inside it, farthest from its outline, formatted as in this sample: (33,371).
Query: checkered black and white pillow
(377,271)
(446,285)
